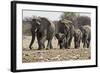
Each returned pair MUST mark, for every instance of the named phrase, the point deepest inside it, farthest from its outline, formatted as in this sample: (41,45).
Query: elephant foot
(39,48)
(77,48)
(47,48)
(67,47)
(30,48)
(88,46)
(62,48)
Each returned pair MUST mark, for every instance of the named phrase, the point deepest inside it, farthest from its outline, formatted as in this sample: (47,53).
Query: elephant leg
(69,43)
(66,45)
(42,43)
(85,44)
(32,41)
(78,44)
(41,40)
(88,43)
(30,46)
(61,46)
(49,45)
(39,45)
(75,44)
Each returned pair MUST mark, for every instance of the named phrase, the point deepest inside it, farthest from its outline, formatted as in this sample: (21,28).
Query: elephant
(34,26)
(77,37)
(68,31)
(61,39)
(65,27)
(45,30)
(86,38)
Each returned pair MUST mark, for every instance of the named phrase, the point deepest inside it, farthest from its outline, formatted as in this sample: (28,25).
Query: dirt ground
(55,54)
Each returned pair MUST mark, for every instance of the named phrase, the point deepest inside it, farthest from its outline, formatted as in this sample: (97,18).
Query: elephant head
(35,23)
(61,39)
(77,37)
(67,25)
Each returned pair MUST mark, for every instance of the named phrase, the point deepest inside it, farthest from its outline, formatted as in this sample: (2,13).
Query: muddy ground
(55,54)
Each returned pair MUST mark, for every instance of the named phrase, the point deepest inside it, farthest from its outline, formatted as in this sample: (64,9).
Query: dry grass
(54,54)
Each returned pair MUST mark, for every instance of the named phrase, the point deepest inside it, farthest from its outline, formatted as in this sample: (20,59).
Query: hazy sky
(48,14)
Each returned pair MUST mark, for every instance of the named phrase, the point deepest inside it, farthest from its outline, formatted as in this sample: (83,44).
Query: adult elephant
(77,37)
(45,30)
(66,27)
(34,26)
(86,38)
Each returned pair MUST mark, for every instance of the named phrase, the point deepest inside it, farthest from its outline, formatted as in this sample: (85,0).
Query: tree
(69,16)
(84,20)
(76,19)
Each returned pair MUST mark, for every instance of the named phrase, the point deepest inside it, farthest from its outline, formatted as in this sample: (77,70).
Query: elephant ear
(67,23)
(63,36)
(60,36)
(57,35)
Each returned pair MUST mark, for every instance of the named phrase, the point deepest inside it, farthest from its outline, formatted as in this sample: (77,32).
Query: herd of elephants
(63,30)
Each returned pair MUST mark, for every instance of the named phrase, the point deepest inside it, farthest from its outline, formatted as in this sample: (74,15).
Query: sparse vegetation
(55,54)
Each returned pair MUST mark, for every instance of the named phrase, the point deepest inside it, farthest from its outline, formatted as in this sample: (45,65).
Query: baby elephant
(86,31)
(61,39)
(77,38)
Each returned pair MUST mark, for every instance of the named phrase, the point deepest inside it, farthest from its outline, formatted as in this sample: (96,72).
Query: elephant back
(86,29)
(77,33)
(45,21)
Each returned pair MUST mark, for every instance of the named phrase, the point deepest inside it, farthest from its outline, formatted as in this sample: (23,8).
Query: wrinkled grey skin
(69,32)
(77,37)
(66,28)
(61,40)
(34,26)
(86,38)
(45,31)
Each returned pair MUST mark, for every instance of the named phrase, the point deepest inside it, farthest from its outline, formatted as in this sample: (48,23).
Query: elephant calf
(61,39)
(86,30)
(77,38)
